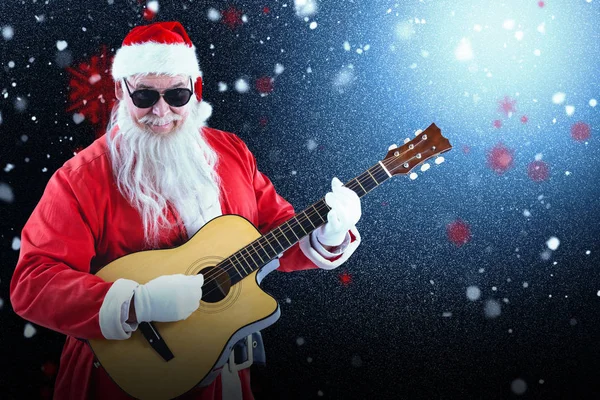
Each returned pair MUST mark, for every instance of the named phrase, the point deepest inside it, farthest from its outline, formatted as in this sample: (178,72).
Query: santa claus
(151,182)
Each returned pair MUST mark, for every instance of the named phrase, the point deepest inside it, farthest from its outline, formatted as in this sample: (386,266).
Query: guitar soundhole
(216,284)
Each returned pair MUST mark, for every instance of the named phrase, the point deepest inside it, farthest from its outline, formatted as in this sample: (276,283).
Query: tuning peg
(413,175)
(393,146)
(406,140)
(425,167)
(439,160)
(417,133)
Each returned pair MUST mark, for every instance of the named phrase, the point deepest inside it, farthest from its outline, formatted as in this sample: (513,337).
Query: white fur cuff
(321,261)
(111,311)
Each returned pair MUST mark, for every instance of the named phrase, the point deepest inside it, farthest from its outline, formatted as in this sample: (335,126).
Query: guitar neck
(266,248)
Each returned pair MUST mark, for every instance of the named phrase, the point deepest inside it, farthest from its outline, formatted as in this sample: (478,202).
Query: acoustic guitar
(163,360)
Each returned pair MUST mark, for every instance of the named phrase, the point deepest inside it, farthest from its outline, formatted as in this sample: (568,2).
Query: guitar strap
(240,350)
(240,355)
(240,358)
(231,387)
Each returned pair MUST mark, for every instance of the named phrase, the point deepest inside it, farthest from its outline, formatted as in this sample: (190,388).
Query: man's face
(161,118)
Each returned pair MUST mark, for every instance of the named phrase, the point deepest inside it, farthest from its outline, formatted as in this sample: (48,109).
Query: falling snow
(518,386)
(319,89)
(473,293)
(7,32)
(553,243)
(61,45)
(492,309)
(29,331)
(356,361)
(242,86)
(6,193)
(213,14)
(558,98)
(305,8)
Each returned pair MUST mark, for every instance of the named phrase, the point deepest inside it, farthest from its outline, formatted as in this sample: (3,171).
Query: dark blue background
(389,318)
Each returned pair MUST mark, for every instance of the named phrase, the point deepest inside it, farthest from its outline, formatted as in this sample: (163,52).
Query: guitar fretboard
(266,248)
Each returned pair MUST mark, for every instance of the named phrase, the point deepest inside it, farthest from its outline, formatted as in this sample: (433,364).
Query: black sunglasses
(146,98)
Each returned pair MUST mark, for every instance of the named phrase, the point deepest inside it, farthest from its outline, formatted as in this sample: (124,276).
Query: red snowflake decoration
(264,85)
(345,278)
(49,369)
(538,171)
(46,392)
(232,17)
(458,232)
(500,158)
(266,10)
(580,131)
(92,90)
(524,119)
(507,106)
(148,14)
(497,124)
(541,4)
(263,121)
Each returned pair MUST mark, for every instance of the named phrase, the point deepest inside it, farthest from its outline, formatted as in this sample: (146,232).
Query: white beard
(152,169)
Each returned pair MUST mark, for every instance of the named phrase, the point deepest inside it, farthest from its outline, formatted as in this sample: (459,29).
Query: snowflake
(507,106)
(232,17)
(148,14)
(92,90)
(345,278)
(264,85)
(538,171)
(500,158)
(458,232)
(580,131)
(49,369)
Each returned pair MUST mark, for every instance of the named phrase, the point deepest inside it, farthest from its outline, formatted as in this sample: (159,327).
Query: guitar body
(203,341)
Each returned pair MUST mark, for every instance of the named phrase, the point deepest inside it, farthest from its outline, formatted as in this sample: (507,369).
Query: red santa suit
(82,223)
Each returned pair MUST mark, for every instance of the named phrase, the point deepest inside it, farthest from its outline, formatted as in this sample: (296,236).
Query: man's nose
(161,108)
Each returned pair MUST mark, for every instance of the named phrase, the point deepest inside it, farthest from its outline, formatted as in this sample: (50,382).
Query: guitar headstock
(427,144)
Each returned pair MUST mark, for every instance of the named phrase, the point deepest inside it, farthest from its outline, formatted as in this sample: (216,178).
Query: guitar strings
(225,271)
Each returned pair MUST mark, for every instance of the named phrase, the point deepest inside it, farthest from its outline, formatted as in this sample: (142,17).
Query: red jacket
(82,223)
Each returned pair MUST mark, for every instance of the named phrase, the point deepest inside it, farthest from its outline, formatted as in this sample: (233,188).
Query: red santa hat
(159,48)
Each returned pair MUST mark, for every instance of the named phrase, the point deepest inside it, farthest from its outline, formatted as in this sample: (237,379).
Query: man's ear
(119,90)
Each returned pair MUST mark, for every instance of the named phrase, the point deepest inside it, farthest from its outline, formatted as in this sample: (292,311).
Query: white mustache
(154,120)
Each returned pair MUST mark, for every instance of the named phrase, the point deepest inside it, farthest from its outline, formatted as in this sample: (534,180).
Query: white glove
(168,298)
(344,214)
